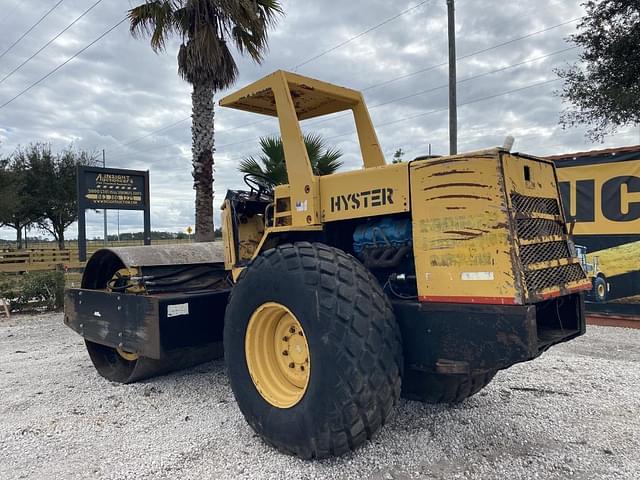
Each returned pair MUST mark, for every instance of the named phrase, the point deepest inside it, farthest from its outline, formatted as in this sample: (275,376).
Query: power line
(168,127)
(30,28)
(469,102)
(445,85)
(241,142)
(158,147)
(473,77)
(388,20)
(386,82)
(361,34)
(63,63)
(422,92)
(471,54)
(162,129)
(518,137)
(49,42)
(431,112)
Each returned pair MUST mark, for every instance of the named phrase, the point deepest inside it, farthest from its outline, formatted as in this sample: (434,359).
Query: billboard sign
(111,188)
(122,191)
(601,194)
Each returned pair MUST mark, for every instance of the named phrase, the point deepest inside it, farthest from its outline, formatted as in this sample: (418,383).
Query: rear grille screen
(554,276)
(530,228)
(534,229)
(525,204)
(543,252)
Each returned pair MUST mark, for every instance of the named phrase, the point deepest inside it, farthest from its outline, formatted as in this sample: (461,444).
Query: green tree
(52,180)
(270,167)
(19,206)
(398,155)
(603,91)
(206,29)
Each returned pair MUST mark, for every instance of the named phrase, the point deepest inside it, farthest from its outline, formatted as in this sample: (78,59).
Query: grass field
(618,260)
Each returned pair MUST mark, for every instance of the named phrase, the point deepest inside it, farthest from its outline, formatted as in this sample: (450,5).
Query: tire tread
(365,334)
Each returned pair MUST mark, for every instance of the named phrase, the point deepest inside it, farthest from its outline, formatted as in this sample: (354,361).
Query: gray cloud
(119,90)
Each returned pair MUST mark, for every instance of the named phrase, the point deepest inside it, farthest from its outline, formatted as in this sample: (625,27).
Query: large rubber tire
(599,290)
(440,388)
(354,345)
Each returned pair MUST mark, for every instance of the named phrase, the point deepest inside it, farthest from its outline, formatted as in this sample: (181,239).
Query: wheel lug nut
(285,339)
(292,365)
(302,368)
(292,330)
(285,353)
(300,333)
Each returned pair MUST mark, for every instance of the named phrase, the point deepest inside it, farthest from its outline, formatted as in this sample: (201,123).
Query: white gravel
(574,413)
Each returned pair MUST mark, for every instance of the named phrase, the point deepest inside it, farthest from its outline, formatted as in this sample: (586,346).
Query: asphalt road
(573,413)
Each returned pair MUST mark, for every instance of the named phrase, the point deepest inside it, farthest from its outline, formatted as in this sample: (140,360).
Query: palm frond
(154,19)
(250,166)
(328,163)
(314,144)
(246,22)
(206,27)
(272,166)
(272,148)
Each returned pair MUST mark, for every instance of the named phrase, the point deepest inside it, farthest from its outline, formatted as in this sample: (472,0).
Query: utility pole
(453,103)
(104,164)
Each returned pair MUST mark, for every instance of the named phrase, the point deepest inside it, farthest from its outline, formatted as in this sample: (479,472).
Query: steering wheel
(253,181)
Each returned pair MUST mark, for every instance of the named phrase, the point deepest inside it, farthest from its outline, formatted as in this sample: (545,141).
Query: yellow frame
(291,98)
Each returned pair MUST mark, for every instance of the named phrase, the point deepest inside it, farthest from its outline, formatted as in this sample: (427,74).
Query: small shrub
(10,287)
(35,289)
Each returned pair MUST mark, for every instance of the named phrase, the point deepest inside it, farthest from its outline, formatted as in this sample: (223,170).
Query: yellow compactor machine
(332,296)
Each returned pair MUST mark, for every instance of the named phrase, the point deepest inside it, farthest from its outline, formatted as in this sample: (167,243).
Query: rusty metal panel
(544,254)
(179,254)
(148,325)
(533,178)
(128,321)
(471,339)
(462,232)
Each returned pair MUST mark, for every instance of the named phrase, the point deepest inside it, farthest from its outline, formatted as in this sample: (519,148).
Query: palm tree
(206,28)
(270,167)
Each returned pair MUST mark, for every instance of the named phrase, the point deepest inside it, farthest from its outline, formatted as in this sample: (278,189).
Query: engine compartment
(385,246)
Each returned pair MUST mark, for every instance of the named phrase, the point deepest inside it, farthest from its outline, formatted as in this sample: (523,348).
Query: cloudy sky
(120,96)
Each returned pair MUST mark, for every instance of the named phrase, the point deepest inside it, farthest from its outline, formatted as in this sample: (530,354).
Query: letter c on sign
(612,199)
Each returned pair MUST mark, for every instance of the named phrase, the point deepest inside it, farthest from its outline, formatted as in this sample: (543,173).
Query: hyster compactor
(334,295)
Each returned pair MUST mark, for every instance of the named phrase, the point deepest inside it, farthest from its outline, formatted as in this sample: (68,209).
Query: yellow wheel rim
(601,290)
(127,355)
(277,355)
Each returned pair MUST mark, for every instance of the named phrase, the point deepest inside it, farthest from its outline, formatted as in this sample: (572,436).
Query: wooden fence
(34,260)
(50,258)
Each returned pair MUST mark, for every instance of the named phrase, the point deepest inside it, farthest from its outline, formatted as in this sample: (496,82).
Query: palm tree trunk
(202,149)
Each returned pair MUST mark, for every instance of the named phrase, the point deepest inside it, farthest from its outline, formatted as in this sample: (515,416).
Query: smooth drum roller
(141,323)
(120,366)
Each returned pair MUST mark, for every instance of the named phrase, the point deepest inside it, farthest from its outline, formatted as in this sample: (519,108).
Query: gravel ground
(573,413)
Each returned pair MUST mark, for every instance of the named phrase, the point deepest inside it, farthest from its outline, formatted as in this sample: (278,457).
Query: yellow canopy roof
(311,98)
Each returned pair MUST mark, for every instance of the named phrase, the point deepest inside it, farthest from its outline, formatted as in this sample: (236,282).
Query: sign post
(111,188)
